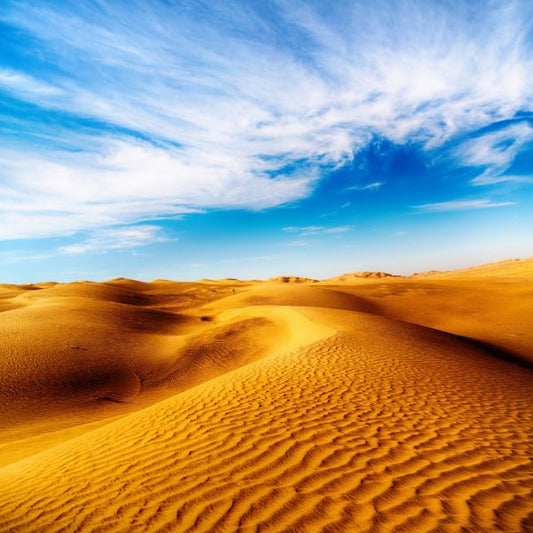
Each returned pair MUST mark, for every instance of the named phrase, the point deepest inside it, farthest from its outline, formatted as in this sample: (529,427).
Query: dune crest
(355,276)
(392,405)
(291,279)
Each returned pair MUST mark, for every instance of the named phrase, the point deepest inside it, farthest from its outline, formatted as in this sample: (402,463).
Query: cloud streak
(118,238)
(460,205)
(495,152)
(374,186)
(310,231)
(212,106)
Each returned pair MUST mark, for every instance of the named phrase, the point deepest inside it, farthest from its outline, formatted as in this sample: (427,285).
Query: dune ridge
(268,406)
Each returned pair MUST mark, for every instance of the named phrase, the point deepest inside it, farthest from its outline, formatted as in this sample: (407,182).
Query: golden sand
(361,403)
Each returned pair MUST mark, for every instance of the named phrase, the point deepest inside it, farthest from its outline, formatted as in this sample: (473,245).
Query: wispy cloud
(131,182)
(13,258)
(116,239)
(368,187)
(460,205)
(317,230)
(210,106)
(21,84)
(495,152)
(99,241)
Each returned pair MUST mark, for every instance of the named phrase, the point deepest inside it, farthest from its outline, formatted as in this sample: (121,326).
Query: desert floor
(360,403)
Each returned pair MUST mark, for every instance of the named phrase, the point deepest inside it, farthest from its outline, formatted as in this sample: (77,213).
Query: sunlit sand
(365,402)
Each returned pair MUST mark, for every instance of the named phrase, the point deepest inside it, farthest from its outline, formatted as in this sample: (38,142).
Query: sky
(205,139)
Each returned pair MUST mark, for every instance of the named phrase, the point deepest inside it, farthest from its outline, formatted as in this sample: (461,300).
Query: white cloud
(11,258)
(99,240)
(234,93)
(488,177)
(496,151)
(460,205)
(132,182)
(316,230)
(22,84)
(369,187)
(116,239)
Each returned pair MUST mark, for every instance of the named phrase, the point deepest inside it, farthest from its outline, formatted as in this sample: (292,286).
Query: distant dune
(508,267)
(292,279)
(366,402)
(354,276)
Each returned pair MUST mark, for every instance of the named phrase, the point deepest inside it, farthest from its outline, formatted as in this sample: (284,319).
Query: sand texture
(360,403)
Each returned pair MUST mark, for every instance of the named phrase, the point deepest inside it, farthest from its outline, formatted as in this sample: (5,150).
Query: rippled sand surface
(355,404)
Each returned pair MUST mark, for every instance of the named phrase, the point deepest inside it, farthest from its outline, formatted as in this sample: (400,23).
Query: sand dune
(356,276)
(382,404)
(492,304)
(513,268)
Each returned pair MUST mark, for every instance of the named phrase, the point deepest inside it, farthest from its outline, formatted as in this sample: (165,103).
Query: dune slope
(492,304)
(80,354)
(343,420)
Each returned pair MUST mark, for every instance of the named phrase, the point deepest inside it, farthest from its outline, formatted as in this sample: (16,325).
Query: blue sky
(189,139)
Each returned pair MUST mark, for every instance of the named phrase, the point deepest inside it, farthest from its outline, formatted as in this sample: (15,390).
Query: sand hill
(508,267)
(389,404)
(291,279)
(355,276)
